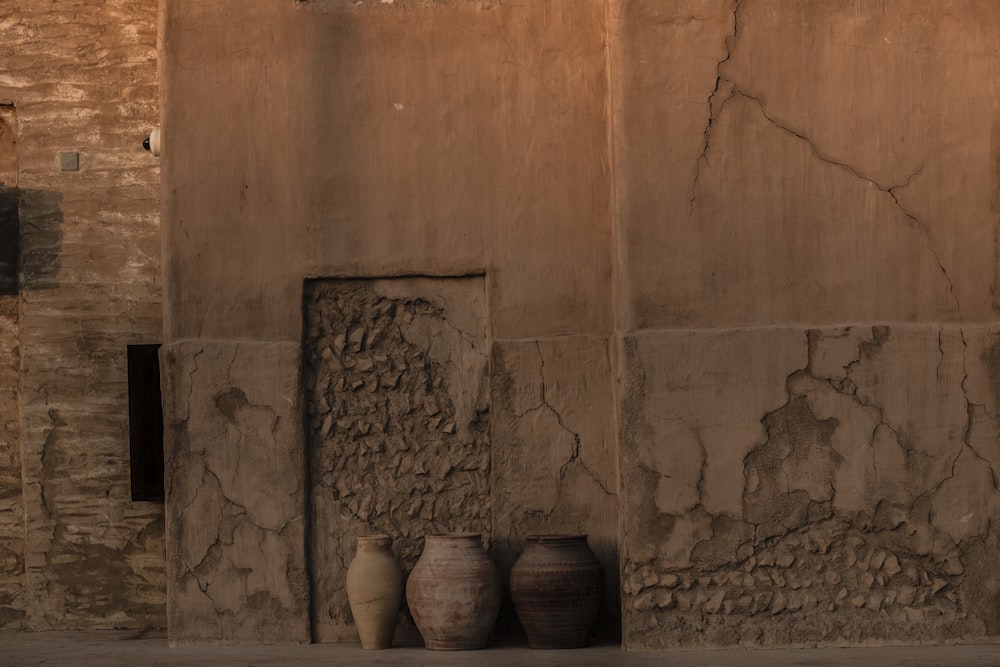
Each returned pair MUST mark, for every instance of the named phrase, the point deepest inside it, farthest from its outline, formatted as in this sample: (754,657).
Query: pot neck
(374,543)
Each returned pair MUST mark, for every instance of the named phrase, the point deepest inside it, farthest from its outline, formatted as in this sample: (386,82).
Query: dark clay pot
(557,585)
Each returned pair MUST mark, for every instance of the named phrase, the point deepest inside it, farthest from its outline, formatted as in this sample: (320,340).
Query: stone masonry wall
(397,379)
(81,77)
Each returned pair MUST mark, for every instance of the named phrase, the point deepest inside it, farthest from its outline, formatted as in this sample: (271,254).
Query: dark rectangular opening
(10,230)
(145,422)
(10,240)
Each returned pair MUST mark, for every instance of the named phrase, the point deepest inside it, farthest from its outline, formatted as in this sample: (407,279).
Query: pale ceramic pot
(374,591)
(557,584)
(454,592)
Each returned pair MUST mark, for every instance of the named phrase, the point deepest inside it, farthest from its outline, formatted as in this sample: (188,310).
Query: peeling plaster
(842,518)
(236,569)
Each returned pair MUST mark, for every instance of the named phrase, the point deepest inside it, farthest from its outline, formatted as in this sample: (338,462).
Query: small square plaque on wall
(69,161)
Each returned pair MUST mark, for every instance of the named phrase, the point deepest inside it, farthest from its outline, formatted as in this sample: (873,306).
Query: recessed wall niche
(397,396)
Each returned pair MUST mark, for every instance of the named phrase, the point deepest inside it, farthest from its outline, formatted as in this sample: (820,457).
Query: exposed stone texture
(398,421)
(842,173)
(555,468)
(235,484)
(863,491)
(81,77)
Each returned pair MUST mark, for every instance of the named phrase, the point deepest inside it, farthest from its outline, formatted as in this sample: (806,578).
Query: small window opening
(145,422)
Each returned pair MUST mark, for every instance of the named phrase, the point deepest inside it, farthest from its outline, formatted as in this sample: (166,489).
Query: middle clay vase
(454,592)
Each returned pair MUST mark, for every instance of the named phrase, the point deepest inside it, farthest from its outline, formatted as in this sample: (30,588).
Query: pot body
(374,591)
(454,592)
(557,585)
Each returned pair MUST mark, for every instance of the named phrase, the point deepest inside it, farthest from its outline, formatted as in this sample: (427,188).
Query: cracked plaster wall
(555,454)
(419,137)
(814,162)
(788,479)
(793,486)
(711,190)
(411,433)
(235,484)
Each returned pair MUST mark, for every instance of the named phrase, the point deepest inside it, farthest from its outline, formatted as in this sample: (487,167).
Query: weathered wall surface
(792,486)
(235,484)
(11,493)
(814,162)
(81,77)
(555,454)
(416,138)
(371,138)
(788,479)
(398,426)
(745,249)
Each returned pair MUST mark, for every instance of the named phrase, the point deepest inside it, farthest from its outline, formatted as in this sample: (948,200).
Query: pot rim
(567,537)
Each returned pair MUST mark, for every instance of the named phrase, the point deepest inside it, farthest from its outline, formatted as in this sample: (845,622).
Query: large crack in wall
(822,174)
(731,90)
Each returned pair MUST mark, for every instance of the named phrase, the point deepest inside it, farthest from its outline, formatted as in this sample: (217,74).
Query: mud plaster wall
(745,247)
(235,485)
(78,76)
(799,162)
(357,140)
(827,485)
(788,479)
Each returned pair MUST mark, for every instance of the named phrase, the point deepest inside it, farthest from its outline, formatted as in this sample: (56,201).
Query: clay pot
(374,591)
(454,592)
(557,584)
